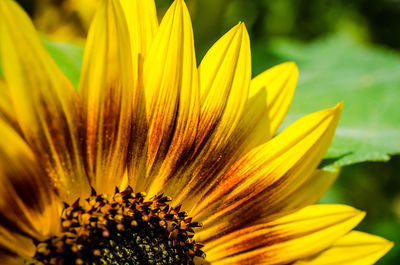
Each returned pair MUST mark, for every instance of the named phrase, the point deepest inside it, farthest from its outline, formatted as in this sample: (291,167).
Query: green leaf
(336,69)
(68,57)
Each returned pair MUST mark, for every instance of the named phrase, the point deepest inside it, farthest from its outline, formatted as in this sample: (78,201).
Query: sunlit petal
(142,22)
(225,74)
(172,96)
(28,205)
(107,90)
(265,175)
(355,248)
(44,101)
(285,239)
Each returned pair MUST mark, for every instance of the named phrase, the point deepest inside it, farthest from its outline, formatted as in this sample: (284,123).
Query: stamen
(123,229)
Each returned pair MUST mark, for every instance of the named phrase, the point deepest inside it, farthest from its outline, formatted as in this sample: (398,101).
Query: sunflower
(158,161)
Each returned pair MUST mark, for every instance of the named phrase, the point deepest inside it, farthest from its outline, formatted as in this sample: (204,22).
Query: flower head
(158,161)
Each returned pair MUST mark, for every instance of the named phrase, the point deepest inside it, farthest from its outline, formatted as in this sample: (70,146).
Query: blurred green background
(346,50)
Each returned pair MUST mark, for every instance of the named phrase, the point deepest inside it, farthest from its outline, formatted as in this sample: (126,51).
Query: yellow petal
(28,205)
(271,94)
(141,17)
(44,101)
(269,99)
(355,248)
(286,239)
(308,193)
(266,174)
(225,75)
(170,79)
(107,89)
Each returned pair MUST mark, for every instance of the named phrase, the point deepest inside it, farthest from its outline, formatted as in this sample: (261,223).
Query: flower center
(124,229)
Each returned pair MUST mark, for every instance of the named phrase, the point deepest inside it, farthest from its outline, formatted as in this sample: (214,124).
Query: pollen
(122,229)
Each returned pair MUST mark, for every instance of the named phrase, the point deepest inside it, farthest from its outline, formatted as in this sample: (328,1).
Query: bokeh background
(346,50)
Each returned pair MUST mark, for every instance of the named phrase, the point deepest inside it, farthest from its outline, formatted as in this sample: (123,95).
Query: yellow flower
(196,144)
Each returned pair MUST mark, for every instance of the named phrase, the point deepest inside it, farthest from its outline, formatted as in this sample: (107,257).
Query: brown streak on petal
(108,89)
(27,196)
(173,106)
(137,145)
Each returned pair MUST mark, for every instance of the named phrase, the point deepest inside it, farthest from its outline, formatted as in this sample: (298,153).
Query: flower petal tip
(239,28)
(339,104)
(294,69)
(242,25)
(292,64)
(289,68)
(362,214)
(351,212)
(389,245)
(180,3)
(386,246)
(337,109)
(179,7)
(358,215)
